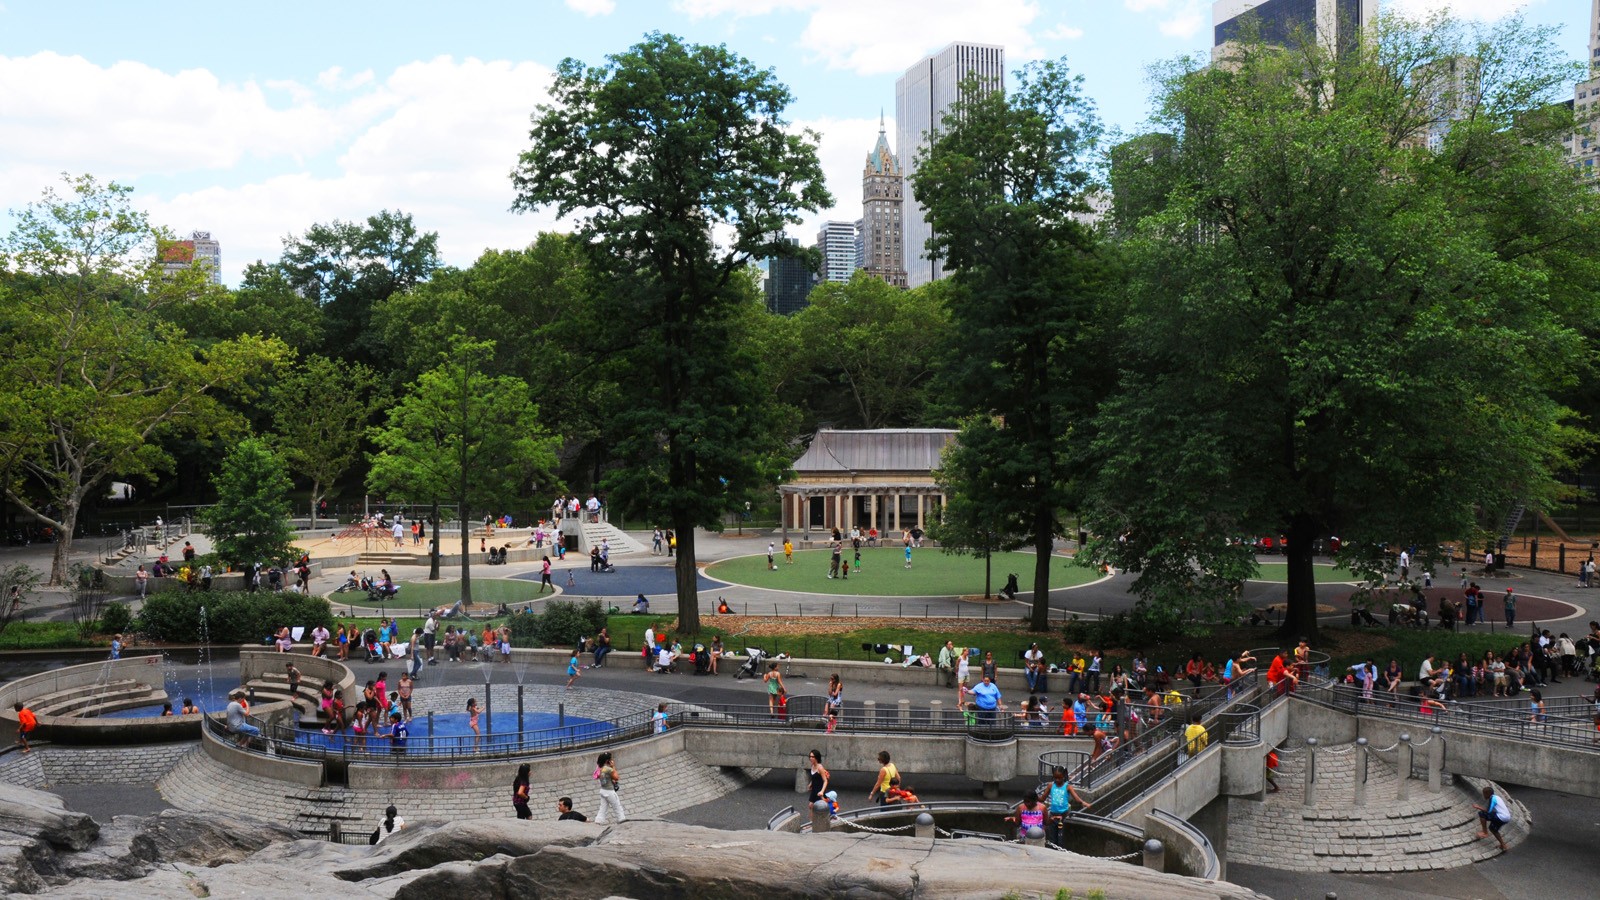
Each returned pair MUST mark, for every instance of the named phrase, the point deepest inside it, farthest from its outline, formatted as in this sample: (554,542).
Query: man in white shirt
(1405,565)
(430,629)
(649,646)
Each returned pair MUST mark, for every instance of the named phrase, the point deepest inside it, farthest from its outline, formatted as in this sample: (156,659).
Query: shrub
(232,618)
(561,623)
(115,618)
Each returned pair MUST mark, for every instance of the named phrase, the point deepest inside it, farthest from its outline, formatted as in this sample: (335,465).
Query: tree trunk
(59,560)
(466,557)
(1300,611)
(433,544)
(988,568)
(316,494)
(688,577)
(1043,545)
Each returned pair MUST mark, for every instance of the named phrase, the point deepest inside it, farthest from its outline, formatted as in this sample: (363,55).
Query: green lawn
(1279,572)
(43,636)
(932,573)
(425,594)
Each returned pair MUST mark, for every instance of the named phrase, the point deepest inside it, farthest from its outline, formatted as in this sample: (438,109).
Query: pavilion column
(849,513)
(801,520)
(942,502)
(838,510)
(895,500)
(920,509)
(872,511)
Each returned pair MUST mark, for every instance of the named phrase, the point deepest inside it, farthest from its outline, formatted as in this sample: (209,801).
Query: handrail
(1177,823)
(1562,726)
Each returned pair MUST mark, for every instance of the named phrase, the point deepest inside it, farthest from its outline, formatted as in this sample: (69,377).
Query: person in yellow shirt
(1075,671)
(788,551)
(1195,738)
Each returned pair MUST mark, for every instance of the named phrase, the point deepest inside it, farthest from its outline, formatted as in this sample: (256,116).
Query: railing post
(1436,761)
(520,720)
(1311,773)
(821,819)
(1155,855)
(905,712)
(936,713)
(1403,767)
(869,712)
(923,827)
(1361,772)
(1034,837)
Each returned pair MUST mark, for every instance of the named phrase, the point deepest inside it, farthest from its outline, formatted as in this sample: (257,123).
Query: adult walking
(817,786)
(986,697)
(963,673)
(519,792)
(835,701)
(611,812)
(886,774)
(1510,603)
(775,688)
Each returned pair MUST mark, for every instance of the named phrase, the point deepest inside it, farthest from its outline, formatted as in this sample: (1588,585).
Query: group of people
(663,655)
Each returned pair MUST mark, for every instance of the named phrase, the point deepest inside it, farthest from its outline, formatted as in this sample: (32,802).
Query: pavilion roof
(877,450)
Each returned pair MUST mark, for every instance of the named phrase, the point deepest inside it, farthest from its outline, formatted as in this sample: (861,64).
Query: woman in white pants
(611,812)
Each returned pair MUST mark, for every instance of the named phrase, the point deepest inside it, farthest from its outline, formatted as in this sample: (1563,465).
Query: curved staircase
(1424,832)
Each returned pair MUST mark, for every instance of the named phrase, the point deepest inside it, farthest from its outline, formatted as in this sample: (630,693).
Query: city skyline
(253,140)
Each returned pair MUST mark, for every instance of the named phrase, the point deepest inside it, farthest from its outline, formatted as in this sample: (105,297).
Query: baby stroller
(369,642)
(1011,589)
(702,660)
(752,666)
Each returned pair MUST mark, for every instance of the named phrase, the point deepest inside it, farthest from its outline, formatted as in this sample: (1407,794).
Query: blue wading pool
(451,733)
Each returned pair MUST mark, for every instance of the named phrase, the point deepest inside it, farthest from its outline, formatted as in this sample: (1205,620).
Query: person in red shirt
(898,794)
(26,723)
(1281,677)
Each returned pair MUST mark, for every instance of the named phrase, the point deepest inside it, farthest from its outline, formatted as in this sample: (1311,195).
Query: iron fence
(1567,722)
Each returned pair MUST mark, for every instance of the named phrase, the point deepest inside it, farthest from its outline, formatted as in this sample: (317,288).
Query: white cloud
(887,36)
(1461,9)
(593,7)
(131,119)
(1177,18)
(436,139)
(1063,32)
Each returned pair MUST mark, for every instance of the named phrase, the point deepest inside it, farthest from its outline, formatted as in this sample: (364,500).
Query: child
(897,794)
(1029,814)
(660,718)
(404,695)
(788,551)
(572,669)
(380,690)
(472,720)
(358,726)
(833,802)
(1492,816)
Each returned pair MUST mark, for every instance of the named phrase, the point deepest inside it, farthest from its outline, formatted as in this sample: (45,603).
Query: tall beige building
(1585,144)
(882,228)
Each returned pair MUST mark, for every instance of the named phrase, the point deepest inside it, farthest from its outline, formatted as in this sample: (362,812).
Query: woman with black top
(819,778)
(519,792)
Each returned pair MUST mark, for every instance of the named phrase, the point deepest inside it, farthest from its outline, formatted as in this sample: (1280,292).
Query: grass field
(1279,572)
(932,573)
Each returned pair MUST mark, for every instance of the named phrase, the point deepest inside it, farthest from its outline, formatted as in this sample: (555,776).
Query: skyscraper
(1334,22)
(788,283)
(837,244)
(922,97)
(882,235)
(1585,144)
(207,252)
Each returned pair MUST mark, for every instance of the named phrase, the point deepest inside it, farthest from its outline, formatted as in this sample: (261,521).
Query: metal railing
(1213,868)
(1567,722)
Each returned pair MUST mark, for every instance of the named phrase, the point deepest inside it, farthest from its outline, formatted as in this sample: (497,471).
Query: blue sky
(255,120)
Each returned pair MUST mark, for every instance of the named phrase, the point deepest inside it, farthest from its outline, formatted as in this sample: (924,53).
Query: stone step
(131,695)
(36,702)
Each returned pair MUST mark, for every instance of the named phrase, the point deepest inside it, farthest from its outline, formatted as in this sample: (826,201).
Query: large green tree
(350,267)
(462,435)
(93,374)
(680,168)
(1356,281)
(873,350)
(249,523)
(320,410)
(1005,184)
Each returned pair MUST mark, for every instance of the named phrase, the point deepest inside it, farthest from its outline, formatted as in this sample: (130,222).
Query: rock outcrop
(46,850)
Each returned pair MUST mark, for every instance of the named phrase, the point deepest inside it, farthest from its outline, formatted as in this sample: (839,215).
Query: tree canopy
(95,374)
(678,164)
(250,521)
(463,435)
(1005,183)
(1356,283)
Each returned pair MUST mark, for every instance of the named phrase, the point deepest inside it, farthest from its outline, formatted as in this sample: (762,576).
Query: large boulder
(36,814)
(17,872)
(424,848)
(204,839)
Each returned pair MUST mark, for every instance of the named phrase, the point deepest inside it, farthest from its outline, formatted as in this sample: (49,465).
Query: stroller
(369,642)
(752,666)
(1011,589)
